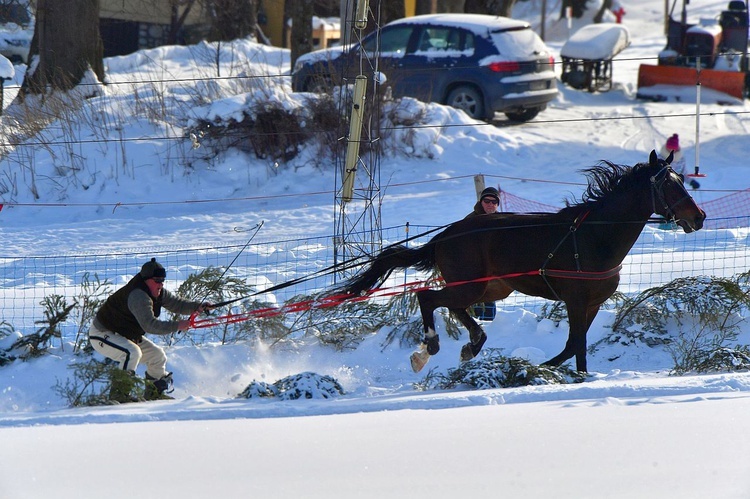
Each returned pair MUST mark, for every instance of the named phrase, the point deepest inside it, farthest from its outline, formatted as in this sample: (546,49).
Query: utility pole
(358,228)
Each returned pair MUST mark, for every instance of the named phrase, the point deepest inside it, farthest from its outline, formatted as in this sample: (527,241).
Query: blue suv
(478,63)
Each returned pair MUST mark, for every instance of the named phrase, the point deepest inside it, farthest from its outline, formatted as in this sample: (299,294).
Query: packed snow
(630,430)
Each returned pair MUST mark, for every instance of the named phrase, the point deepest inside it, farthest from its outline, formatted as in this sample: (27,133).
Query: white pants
(128,353)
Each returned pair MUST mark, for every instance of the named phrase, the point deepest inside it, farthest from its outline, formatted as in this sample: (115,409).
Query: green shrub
(305,385)
(704,310)
(92,382)
(493,370)
(56,311)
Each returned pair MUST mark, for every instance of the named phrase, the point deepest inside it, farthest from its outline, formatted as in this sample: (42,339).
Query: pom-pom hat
(152,268)
(673,143)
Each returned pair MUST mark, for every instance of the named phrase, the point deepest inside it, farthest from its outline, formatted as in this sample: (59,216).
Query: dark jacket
(131,311)
(478,210)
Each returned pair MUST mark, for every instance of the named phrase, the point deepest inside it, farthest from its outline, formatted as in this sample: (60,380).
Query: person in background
(678,162)
(119,327)
(489,200)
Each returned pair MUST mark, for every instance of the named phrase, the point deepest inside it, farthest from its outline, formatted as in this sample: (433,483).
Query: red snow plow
(713,53)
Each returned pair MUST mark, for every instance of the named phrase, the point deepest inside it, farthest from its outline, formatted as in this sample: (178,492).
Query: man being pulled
(118,330)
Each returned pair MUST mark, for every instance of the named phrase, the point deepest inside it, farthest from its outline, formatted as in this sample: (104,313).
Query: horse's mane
(605,179)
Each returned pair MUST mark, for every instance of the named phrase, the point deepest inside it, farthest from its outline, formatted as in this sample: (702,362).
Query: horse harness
(544,272)
(656,194)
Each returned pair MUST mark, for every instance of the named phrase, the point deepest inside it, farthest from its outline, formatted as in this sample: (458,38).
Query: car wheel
(524,115)
(469,100)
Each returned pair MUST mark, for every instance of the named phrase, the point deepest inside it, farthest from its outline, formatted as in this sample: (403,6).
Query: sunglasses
(490,200)
(158,280)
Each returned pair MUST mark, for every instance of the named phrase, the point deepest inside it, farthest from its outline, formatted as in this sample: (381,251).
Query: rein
(345,265)
(338,267)
(412,287)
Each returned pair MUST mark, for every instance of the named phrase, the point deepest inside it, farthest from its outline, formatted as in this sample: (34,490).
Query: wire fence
(660,255)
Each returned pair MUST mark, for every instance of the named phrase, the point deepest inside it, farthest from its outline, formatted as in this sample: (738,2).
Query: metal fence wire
(660,255)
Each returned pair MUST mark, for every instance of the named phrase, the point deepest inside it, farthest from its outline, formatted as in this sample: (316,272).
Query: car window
(518,43)
(445,39)
(394,40)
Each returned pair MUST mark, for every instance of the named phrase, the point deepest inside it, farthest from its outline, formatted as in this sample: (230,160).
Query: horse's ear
(670,157)
(653,159)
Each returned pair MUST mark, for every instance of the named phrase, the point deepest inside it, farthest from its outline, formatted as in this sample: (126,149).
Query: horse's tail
(394,257)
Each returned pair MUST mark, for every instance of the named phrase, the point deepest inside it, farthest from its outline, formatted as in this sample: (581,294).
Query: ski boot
(157,389)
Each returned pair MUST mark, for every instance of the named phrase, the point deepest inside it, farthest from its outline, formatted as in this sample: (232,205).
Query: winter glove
(694,184)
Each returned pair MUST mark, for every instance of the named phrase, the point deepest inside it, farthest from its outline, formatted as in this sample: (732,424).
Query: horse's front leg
(580,319)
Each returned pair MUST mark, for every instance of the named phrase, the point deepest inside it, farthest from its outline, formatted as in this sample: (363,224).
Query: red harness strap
(579,274)
(415,286)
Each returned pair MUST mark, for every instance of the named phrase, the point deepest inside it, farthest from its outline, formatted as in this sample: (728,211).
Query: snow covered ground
(631,430)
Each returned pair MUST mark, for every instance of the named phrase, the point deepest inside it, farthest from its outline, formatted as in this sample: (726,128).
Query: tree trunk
(391,10)
(453,6)
(233,19)
(301,37)
(491,7)
(606,5)
(65,45)
(179,14)
(386,10)
(579,6)
(425,7)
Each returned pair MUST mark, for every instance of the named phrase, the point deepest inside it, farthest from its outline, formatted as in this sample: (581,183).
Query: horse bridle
(657,193)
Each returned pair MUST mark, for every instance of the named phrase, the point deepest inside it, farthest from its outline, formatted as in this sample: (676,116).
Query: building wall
(274,10)
(159,12)
(274,28)
(146,11)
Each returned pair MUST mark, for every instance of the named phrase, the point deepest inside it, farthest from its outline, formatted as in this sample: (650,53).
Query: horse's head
(670,198)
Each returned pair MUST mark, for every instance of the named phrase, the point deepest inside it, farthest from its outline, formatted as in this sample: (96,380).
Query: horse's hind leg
(477,336)
(431,341)
(427,308)
(456,300)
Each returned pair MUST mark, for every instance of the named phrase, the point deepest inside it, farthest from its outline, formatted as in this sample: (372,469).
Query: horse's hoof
(418,360)
(471,350)
(466,353)
(433,344)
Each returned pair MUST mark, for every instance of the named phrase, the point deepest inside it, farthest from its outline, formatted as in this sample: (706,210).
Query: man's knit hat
(490,192)
(152,268)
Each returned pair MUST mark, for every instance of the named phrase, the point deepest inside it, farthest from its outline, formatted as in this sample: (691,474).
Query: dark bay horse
(573,255)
